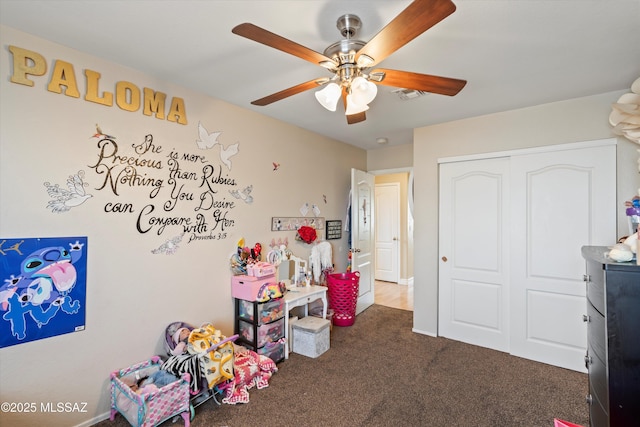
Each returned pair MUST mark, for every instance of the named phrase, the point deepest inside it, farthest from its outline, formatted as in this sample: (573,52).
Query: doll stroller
(208,359)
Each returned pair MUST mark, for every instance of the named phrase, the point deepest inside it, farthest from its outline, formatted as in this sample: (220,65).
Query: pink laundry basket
(343,297)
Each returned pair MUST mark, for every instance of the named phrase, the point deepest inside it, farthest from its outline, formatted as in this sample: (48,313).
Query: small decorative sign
(334,230)
(294,223)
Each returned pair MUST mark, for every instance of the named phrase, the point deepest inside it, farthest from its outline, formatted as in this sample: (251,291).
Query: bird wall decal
(100,134)
(227,153)
(244,194)
(65,199)
(206,140)
(169,247)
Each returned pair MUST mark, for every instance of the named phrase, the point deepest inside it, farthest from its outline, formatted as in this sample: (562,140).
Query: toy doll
(180,338)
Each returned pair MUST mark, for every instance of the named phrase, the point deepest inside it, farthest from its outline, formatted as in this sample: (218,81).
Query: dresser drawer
(598,417)
(598,386)
(595,286)
(270,332)
(596,334)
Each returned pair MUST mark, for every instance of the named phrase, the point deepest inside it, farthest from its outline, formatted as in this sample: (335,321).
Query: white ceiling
(513,53)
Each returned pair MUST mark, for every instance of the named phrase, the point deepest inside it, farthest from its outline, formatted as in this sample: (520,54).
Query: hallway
(393,295)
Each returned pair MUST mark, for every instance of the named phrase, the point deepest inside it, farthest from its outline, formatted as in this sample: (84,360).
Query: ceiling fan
(351,60)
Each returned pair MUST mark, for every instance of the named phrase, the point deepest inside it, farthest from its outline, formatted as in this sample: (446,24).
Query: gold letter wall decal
(93,78)
(128,96)
(63,75)
(177,111)
(130,102)
(26,62)
(154,102)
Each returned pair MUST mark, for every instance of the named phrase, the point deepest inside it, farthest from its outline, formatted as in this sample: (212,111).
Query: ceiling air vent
(407,94)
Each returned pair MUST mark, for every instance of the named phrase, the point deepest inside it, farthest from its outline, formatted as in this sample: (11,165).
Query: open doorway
(394,250)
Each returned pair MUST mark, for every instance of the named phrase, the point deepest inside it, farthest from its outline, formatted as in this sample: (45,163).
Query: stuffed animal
(632,242)
(621,253)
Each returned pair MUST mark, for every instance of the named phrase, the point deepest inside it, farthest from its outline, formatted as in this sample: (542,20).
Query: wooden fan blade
(356,118)
(352,118)
(417,18)
(422,82)
(260,35)
(287,92)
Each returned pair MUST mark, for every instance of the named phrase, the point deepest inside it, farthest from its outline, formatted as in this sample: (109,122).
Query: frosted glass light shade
(353,107)
(329,96)
(363,90)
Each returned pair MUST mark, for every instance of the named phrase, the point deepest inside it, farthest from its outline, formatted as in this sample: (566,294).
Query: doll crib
(149,408)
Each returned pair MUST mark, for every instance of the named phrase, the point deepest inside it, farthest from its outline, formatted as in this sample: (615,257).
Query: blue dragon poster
(44,288)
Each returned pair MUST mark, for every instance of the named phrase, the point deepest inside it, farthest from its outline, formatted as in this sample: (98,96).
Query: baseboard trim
(406,282)
(418,331)
(95,420)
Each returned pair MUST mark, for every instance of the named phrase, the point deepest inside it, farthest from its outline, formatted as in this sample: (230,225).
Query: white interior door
(562,200)
(387,197)
(473,304)
(362,234)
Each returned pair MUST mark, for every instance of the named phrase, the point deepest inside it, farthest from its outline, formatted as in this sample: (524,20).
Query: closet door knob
(586,318)
(444,258)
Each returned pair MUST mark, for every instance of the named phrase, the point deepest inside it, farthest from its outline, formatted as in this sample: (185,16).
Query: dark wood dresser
(613,331)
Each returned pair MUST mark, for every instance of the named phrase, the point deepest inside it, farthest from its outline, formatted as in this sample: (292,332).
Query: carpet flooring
(380,373)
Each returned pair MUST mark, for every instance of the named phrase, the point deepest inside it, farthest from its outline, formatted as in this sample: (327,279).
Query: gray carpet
(379,373)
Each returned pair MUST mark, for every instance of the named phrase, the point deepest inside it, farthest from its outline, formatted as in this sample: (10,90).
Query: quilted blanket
(250,370)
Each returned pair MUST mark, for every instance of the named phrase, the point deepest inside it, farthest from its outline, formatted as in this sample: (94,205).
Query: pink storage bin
(247,287)
(261,269)
(149,409)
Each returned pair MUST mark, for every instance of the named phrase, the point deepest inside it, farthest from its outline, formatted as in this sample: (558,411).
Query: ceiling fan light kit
(353,107)
(329,96)
(363,91)
(350,60)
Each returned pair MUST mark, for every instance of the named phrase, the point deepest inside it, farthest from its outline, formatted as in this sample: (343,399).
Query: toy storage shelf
(260,326)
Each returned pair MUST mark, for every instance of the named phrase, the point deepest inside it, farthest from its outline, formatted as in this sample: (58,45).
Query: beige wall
(132,294)
(574,120)
(392,157)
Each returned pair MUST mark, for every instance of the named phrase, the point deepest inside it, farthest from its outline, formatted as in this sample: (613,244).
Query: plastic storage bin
(267,311)
(273,350)
(261,269)
(248,287)
(342,294)
(270,332)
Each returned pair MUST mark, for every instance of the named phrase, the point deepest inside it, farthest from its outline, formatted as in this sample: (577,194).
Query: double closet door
(511,229)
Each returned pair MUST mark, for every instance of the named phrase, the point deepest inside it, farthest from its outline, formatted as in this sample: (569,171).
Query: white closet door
(473,296)
(561,201)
